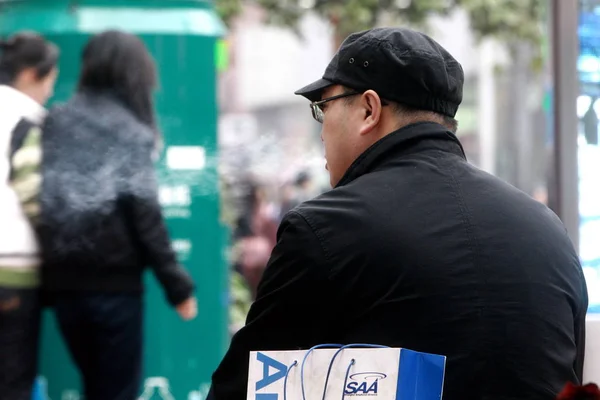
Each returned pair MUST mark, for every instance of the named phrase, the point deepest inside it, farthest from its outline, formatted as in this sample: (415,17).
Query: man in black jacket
(414,247)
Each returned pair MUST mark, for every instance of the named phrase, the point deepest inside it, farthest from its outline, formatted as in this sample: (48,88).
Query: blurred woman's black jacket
(101,221)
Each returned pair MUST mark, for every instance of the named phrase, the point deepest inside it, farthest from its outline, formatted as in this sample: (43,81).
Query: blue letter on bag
(269,379)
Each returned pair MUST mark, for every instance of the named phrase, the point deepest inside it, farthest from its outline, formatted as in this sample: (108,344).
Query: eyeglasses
(317,111)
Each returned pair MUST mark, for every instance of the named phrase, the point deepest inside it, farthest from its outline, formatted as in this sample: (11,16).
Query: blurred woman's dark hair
(26,50)
(119,63)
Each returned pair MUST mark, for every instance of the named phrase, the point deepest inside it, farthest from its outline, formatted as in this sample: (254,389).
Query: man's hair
(412,115)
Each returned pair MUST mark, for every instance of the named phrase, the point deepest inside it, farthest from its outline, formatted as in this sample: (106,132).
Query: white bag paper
(354,372)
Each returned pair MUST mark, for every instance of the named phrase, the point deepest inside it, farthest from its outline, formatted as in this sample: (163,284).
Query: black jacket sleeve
(290,309)
(580,332)
(19,134)
(151,231)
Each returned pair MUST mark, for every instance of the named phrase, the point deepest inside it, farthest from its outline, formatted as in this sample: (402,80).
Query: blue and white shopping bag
(345,372)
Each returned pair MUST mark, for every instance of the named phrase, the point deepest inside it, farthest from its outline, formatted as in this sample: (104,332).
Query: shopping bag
(345,372)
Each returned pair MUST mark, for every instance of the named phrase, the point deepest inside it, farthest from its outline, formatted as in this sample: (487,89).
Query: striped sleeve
(26,173)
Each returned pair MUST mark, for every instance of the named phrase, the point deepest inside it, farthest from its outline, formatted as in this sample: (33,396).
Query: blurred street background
(241,150)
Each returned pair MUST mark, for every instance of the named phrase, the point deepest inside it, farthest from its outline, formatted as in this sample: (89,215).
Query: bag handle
(352,362)
(340,347)
(285,381)
(320,346)
(348,346)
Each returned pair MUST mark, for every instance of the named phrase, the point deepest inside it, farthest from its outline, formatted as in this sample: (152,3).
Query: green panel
(186,101)
(184,43)
(91,17)
(222,56)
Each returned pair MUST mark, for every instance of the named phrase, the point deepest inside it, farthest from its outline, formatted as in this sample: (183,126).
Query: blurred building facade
(266,132)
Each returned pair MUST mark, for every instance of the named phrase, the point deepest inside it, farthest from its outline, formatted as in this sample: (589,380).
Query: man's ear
(370,104)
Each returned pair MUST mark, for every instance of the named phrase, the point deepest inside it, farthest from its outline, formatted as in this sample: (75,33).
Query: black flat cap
(401,65)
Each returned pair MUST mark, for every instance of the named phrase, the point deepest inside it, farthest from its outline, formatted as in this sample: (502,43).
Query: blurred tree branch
(228,9)
(508,21)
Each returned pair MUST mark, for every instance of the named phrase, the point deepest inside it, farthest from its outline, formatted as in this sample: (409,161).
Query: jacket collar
(398,143)
(21,105)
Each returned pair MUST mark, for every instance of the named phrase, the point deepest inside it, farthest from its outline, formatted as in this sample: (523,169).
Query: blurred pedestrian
(414,247)
(294,195)
(101,223)
(255,236)
(28,71)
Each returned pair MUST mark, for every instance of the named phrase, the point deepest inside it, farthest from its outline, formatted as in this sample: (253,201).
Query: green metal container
(184,38)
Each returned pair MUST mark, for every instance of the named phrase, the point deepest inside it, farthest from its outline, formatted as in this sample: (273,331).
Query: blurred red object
(574,392)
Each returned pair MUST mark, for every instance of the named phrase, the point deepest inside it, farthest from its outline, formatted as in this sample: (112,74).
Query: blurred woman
(101,222)
(28,70)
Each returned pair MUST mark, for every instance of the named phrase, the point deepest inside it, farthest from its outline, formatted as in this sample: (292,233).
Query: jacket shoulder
(346,202)
(337,211)
(84,115)
(318,209)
